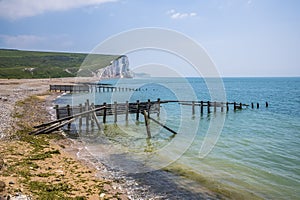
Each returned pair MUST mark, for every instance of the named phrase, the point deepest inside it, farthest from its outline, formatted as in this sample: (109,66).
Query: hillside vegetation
(35,64)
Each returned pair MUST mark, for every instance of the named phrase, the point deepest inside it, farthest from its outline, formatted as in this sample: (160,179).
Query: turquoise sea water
(256,154)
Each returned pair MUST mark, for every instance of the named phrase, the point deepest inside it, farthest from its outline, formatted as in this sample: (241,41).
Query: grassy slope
(47,64)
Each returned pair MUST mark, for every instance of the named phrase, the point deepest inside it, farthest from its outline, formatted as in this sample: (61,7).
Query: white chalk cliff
(118,68)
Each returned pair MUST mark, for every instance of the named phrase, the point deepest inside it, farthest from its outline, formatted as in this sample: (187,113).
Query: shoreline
(55,163)
(112,184)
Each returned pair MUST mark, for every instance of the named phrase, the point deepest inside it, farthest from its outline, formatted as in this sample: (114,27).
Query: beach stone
(102,195)
(1,163)
(2,186)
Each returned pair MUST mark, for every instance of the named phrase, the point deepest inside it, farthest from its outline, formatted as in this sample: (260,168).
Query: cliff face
(118,68)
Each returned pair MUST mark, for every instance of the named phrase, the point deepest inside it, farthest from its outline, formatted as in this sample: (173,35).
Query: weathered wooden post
(257,105)
(104,113)
(147,123)
(69,114)
(234,106)
(57,111)
(158,107)
(201,107)
(215,106)
(91,116)
(115,112)
(222,106)
(252,105)
(148,107)
(80,118)
(208,107)
(126,111)
(193,108)
(87,116)
(241,106)
(97,121)
(267,104)
(137,110)
(227,106)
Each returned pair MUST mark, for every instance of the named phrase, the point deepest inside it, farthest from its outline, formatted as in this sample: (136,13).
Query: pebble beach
(20,169)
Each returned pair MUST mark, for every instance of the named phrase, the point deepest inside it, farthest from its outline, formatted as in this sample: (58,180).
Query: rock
(1,163)
(102,195)
(2,186)
(11,183)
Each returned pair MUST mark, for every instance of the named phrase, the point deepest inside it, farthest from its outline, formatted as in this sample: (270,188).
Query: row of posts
(93,117)
(236,106)
(113,89)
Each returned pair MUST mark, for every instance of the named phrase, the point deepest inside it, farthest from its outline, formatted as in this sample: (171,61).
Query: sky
(242,37)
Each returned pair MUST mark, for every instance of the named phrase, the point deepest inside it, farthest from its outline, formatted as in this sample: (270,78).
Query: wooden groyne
(89,87)
(110,109)
(88,114)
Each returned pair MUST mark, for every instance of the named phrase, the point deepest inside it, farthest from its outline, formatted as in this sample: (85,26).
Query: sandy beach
(36,167)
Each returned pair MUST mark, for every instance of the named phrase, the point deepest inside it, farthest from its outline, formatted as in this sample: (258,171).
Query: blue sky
(242,37)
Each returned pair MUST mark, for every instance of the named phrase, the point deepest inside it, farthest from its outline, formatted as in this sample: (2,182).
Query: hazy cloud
(15,9)
(177,15)
(35,42)
(20,41)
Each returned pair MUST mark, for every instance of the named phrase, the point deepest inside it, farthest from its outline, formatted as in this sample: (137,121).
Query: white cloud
(15,9)
(177,15)
(170,12)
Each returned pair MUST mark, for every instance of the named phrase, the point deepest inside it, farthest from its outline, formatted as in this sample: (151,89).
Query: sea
(248,153)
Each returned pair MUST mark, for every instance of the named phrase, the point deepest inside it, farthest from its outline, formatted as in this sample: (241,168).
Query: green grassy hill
(35,64)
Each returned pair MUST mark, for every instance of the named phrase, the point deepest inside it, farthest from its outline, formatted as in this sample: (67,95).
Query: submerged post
(147,122)
(267,104)
(126,111)
(252,105)
(227,106)
(257,105)
(201,107)
(215,106)
(137,110)
(193,108)
(234,105)
(148,107)
(158,107)
(208,107)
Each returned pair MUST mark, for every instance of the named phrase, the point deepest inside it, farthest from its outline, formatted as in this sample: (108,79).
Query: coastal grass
(36,64)
(36,166)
